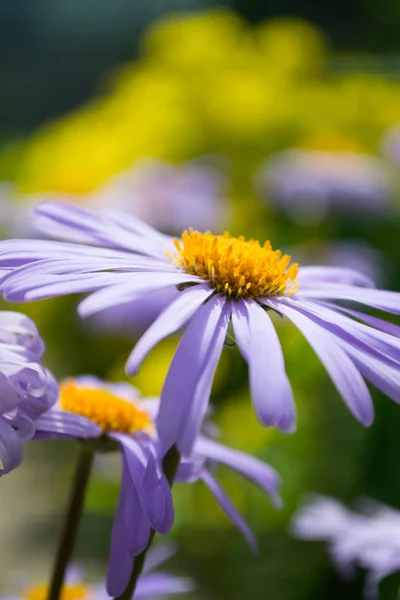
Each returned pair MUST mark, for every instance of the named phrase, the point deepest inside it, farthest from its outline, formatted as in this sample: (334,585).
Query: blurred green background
(260,95)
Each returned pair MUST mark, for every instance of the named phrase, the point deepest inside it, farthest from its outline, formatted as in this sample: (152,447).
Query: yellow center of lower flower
(108,411)
(69,592)
(234,266)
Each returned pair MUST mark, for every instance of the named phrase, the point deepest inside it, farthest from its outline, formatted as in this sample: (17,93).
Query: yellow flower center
(69,592)
(235,267)
(108,411)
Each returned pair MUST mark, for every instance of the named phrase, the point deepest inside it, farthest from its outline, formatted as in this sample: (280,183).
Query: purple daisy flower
(217,279)
(113,412)
(151,585)
(368,538)
(27,389)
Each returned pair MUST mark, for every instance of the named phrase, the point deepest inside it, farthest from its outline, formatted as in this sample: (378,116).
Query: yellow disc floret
(234,266)
(69,592)
(108,411)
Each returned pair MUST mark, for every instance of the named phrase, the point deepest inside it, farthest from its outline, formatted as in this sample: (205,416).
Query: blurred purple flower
(356,255)
(369,539)
(91,408)
(167,196)
(151,585)
(215,280)
(27,389)
(308,185)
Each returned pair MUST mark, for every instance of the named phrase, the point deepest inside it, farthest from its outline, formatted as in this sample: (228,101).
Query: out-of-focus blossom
(309,185)
(356,255)
(113,412)
(217,279)
(166,196)
(150,585)
(369,539)
(27,389)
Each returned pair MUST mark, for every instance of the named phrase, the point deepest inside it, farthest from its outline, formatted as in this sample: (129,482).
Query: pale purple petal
(120,563)
(382,299)
(313,275)
(270,388)
(229,509)
(380,344)
(185,371)
(135,285)
(198,408)
(144,466)
(70,222)
(250,467)
(176,314)
(344,374)
(380,324)
(10,447)
(54,423)
(160,585)
(189,471)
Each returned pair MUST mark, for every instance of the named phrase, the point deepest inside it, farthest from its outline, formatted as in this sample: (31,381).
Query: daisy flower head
(27,389)
(368,538)
(151,584)
(112,416)
(216,280)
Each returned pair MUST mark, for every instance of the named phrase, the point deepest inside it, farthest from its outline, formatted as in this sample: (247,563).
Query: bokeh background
(275,120)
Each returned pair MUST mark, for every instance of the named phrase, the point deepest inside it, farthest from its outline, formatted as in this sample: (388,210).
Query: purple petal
(378,343)
(229,509)
(380,324)
(270,388)
(250,467)
(10,447)
(176,314)
(189,471)
(381,299)
(135,285)
(158,554)
(199,405)
(54,423)
(144,466)
(120,562)
(344,374)
(314,274)
(73,223)
(185,371)
(160,585)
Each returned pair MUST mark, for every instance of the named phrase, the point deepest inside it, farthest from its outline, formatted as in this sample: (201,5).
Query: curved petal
(378,343)
(313,275)
(176,314)
(269,385)
(250,467)
(160,585)
(381,299)
(145,469)
(344,374)
(229,509)
(135,284)
(59,422)
(120,563)
(380,324)
(10,447)
(190,359)
(199,405)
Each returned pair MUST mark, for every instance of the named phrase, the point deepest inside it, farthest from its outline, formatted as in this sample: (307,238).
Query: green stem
(170,466)
(71,522)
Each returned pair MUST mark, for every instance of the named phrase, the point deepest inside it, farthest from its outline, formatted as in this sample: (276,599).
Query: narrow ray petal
(176,314)
(341,369)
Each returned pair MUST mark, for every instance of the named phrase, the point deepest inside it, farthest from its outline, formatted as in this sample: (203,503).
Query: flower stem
(170,466)
(71,522)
